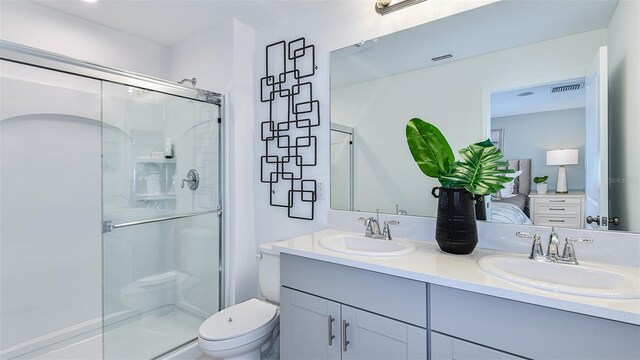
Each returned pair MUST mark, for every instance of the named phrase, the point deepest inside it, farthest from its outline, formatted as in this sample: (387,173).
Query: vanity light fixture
(562,157)
(383,7)
(363,44)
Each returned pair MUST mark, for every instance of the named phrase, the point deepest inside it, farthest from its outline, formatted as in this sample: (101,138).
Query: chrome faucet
(568,254)
(386,233)
(372,227)
(552,248)
(536,248)
(400,211)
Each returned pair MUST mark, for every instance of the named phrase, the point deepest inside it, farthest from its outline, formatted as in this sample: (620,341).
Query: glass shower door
(161,224)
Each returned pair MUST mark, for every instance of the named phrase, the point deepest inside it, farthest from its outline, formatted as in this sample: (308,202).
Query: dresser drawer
(553,201)
(558,209)
(568,221)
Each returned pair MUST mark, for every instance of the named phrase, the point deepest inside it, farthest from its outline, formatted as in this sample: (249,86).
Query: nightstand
(559,210)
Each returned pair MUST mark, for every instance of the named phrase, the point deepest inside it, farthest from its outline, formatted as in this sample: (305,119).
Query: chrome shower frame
(21,54)
(35,57)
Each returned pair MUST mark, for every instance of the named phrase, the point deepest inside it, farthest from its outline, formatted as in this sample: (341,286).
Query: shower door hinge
(219,120)
(107,226)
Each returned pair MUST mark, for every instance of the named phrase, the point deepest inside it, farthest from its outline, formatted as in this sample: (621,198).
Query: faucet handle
(569,253)
(368,223)
(579,239)
(523,234)
(536,247)
(386,234)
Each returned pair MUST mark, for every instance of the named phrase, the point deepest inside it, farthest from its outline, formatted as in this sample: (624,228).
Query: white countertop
(429,264)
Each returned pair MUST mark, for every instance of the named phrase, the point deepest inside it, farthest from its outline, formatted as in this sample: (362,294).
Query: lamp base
(561,186)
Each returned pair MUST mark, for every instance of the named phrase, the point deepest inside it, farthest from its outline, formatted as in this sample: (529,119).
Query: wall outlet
(320,191)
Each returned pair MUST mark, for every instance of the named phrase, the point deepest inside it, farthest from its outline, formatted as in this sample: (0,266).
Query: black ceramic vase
(456,231)
(481,207)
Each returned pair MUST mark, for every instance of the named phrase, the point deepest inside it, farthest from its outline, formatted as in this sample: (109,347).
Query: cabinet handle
(330,321)
(558,221)
(345,342)
(559,209)
(557,200)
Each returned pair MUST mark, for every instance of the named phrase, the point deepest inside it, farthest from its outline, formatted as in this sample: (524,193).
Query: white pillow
(507,192)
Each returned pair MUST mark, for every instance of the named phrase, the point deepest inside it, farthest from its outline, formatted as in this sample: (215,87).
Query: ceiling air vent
(563,88)
(442,57)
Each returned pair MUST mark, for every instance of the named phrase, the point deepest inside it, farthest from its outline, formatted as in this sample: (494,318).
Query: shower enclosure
(110,210)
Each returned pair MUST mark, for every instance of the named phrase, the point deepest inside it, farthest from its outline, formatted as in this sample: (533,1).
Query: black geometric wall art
(289,136)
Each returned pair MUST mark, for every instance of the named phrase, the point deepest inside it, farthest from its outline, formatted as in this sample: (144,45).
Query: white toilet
(244,330)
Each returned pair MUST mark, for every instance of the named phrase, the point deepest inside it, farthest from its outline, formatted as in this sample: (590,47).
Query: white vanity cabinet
(317,328)
(309,326)
(512,328)
(391,317)
(325,306)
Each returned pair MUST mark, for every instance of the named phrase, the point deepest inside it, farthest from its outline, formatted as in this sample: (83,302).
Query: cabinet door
(447,348)
(307,325)
(370,336)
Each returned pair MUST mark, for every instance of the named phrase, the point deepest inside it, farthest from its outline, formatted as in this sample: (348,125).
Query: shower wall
(50,241)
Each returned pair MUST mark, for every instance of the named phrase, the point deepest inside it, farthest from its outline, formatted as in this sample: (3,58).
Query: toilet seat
(250,321)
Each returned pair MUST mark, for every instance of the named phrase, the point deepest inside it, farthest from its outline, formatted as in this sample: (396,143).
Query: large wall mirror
(534,76)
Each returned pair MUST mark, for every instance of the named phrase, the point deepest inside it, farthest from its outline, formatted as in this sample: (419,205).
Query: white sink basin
(586,280)
(359,245)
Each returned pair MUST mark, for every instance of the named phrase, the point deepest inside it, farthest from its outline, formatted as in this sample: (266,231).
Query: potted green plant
(476,174)
(541,184)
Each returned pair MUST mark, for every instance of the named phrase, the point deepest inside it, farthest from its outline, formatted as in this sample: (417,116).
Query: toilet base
(250,351)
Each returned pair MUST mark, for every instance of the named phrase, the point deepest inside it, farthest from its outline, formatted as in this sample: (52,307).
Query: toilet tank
(269,272)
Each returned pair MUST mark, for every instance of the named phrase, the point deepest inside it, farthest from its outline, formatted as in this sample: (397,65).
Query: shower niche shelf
(154,181)
(152,160)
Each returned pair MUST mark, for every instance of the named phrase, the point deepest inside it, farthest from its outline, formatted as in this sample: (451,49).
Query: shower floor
(144,337)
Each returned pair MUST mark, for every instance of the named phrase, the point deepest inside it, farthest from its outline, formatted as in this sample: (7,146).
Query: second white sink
(584,279)
(353,244)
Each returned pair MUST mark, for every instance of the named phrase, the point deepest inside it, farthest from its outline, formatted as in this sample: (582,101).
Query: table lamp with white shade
(562,157)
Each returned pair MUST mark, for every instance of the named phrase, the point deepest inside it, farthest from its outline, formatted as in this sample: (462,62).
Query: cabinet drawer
(564,209)
(529,330)
(553,201)
(567,221)
(391,296)
(447,348)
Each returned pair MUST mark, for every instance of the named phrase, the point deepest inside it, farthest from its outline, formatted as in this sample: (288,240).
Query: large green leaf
(479,171)
(429,148)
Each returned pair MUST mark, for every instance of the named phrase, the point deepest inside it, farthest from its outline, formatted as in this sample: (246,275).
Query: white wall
(222,60)
(40,27)
(451,96)
(529,136)
(207,56)
(624,114)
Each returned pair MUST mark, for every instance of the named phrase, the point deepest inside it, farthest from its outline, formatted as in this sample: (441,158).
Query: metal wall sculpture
(289,137)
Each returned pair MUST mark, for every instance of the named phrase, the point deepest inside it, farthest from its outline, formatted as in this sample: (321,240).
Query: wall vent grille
(563,88)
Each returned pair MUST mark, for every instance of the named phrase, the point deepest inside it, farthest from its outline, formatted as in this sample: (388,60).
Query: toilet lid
(237,320)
